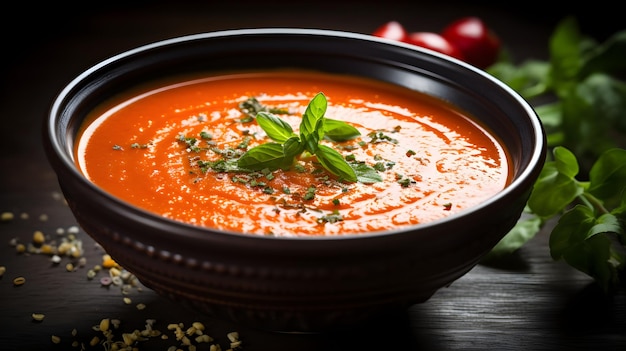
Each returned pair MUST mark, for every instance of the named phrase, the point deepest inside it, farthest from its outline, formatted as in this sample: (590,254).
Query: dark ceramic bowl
(297,284)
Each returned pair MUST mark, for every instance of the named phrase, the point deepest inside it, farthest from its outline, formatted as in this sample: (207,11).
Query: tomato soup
(151,146)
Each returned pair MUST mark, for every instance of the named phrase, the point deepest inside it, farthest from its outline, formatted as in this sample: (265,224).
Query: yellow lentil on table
(108,262)
(104,324)
(3,269)
(19,281)
(55,339)
(7,216)
(94,341)
(38,316)
(47,249)
(38,237)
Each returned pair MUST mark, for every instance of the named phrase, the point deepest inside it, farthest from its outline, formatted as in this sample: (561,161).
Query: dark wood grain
(525,302)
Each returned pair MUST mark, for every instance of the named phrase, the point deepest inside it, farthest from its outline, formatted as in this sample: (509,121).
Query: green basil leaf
(565,162)
(313,113)
(529,79)
(334,162)
(607,57)
(311,140)
(268,155)
(570,230)
(607,178)
(556,187)
(366,174)
(585,243)
(565,55)
(275,128)
(606,223)
(336,130)
(292,147)
(520,234)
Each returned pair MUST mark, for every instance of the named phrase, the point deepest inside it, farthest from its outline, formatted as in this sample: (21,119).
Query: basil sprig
(287,145)
(580,96)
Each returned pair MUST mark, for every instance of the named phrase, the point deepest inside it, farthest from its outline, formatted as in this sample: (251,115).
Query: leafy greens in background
(581,101)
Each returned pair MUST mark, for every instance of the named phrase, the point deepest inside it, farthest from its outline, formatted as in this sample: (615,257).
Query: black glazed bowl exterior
(297,284)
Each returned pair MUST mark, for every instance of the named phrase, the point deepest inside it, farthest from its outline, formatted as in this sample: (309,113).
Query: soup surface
(156,148)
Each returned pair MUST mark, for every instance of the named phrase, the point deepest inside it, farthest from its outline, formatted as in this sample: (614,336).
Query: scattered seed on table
(47,249)
(43,217)
(69,267)
(19,281)
(104,324)
(38,237)
(94,341)
(56,259)
(55,339)
(38,317)
(106,281)
(108,262)
(127,300)
(2,270)
(198,325)
(7,216)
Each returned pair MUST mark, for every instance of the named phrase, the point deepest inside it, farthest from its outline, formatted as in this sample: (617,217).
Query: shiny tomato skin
(434,41)
(478,44)
(391,30)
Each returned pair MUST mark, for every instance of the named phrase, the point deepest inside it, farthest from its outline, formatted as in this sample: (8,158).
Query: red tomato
(391,30)
(434,42)
(472,37)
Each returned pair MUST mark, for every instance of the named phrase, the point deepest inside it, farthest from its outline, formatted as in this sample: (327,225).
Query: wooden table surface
(526,302)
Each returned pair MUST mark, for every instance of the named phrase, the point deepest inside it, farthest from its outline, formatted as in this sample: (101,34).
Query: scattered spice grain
(38,317)
(7,216)
(19,281)
(38,237)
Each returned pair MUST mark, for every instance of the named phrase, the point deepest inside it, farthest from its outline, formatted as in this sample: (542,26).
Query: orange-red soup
(438,160)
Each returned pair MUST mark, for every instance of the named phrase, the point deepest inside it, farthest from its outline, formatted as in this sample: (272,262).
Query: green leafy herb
(582,104)
(314,127)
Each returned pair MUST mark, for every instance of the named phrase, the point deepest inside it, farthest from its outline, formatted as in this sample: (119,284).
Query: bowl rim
(56,149)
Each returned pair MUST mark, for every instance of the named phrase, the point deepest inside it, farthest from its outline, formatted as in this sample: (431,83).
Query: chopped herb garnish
(404,181)
(310,193)
(138,146)
(333,217)
(380,136)
(251,107)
